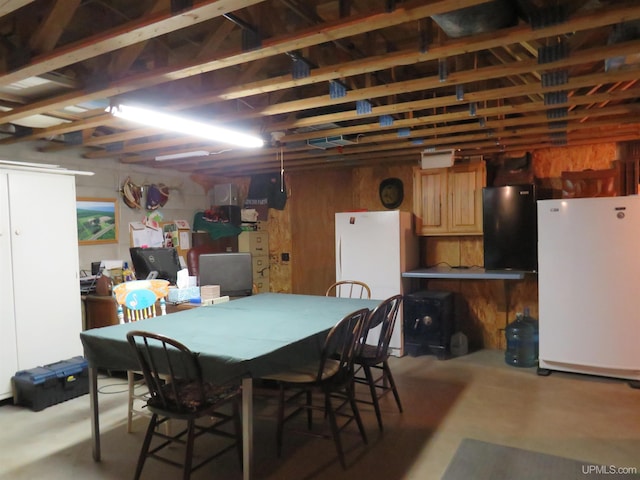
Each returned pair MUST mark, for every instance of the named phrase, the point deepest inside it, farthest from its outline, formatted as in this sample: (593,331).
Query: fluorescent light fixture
(177,156)
(28,83)
(184,125)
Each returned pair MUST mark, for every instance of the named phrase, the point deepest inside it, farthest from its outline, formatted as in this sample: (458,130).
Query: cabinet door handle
(17,232)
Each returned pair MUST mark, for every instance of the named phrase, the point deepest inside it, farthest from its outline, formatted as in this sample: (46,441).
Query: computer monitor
(232,271)
(165,261)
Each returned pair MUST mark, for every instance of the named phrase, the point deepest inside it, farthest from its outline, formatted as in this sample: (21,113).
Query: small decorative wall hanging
(131,194)
(147,197)
(157,196)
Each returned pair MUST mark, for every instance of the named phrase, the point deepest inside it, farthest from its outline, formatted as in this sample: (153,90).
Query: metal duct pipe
(482,18)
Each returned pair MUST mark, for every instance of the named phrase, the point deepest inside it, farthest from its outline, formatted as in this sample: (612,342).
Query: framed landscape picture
(97,220)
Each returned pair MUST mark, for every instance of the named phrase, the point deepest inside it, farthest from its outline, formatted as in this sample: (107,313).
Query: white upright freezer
(375,248)
(589,286)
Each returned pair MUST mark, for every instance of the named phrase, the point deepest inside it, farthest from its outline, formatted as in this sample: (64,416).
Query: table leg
(247,427)
(95,421)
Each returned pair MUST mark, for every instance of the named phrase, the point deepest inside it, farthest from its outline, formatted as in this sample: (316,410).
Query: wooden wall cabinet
(448,201)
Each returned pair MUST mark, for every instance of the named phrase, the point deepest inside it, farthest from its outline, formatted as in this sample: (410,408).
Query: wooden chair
(350,289)
(138,300)
(374,358)
(331,376)
(179,392)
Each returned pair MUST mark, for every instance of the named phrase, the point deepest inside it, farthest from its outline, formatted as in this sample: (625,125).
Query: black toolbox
(41,387)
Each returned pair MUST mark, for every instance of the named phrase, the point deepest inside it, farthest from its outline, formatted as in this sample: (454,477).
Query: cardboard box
(207,292)
(41,387)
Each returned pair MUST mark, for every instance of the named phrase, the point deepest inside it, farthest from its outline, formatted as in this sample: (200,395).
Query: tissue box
(178,295)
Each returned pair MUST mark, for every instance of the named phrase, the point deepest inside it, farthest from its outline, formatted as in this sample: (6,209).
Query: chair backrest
(171,371)
(137,299)
(385,316)
(193,258)
(350,289)
(341,344)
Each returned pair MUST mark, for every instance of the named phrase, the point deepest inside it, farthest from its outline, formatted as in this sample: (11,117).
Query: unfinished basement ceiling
(388,79)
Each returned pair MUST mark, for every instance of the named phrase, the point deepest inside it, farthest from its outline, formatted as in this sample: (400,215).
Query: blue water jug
(520,343)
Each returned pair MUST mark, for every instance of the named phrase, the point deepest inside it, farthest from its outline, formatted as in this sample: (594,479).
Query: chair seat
(306,373)
(189,395)
(370,354)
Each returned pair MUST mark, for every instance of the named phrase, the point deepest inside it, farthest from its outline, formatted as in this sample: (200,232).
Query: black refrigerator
(510,227)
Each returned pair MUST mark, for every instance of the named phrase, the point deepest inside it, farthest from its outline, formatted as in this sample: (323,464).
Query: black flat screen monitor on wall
(165,261)
(232,271)
(509,218)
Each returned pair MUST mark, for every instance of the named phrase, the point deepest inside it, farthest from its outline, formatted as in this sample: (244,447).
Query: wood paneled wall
(314,198)
(305,229)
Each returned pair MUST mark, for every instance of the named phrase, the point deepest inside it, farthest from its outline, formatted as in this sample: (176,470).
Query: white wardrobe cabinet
(40,310)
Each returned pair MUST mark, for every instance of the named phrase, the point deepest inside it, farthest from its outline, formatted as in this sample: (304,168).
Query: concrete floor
(592,419)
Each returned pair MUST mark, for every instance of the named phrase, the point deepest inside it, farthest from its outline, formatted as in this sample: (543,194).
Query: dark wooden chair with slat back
(374,357)
(331,377)
(177,391)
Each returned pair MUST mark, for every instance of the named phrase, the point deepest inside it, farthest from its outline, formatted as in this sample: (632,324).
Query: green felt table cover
(252,336)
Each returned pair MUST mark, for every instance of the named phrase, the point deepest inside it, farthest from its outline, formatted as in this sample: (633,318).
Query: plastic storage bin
(41,387)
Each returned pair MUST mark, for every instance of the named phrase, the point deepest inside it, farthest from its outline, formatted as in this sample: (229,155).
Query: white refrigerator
(588,286)
(376,248)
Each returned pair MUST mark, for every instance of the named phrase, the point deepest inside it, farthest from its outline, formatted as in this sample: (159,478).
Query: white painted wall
(186,197)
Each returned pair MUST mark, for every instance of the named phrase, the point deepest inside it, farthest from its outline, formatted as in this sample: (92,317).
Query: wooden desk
(100,311)
(247,338)
(181,307)
(472,273)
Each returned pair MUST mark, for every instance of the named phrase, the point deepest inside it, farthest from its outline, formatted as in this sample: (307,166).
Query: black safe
(428,323)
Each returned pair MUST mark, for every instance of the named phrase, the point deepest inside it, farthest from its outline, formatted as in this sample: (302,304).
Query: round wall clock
(391,192)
